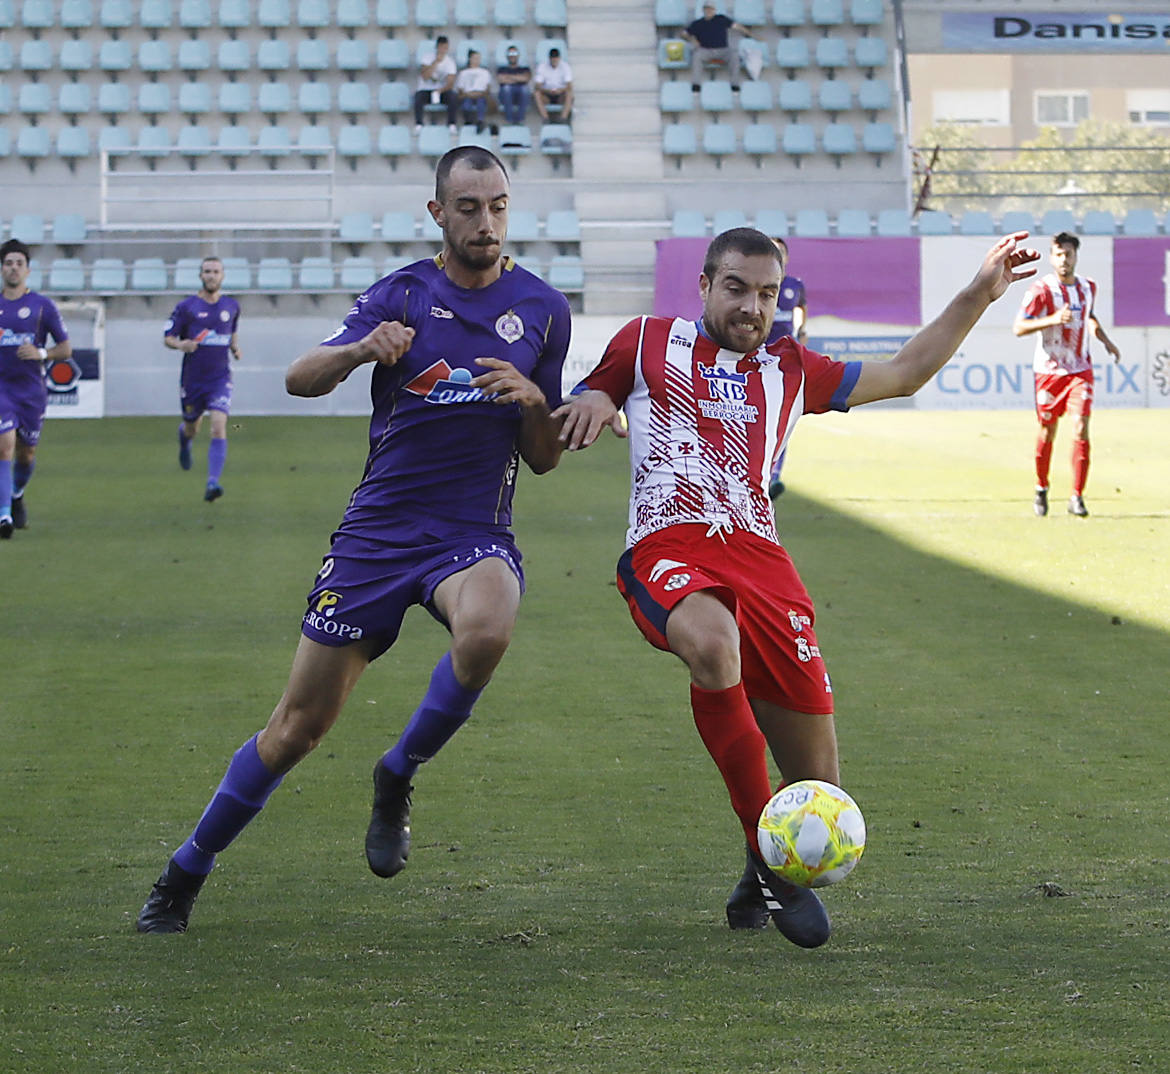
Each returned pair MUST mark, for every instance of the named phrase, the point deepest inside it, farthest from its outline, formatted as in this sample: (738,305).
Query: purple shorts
(199,398)
(364,587)
(23,412)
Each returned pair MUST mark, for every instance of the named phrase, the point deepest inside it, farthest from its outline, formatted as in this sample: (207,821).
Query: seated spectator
(472,86)
(554,85)
(710,36)
(436,77)
(512,79)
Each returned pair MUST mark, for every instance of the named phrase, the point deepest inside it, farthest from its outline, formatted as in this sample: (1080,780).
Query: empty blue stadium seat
(314,141)
(679,140)
(754,96)
(749,13)
(186,275)
(510,13)
(523,226)
(839,140)
(6,98)
(76,55)
(434,141)
(154,98)
(873,95)
(274,274)
(515,141)
(107,275)
(195,14)
(73,143)
(759,140)
(792,54)
(726,219)
(893,222)
(870,53)
(273,55)
(867,12)
(274,98)
(795,97)
(688,224)
(148,274)
(76,14)
(194,140)
(835,96)
(69,229)
(550,14)
(356,227)
(1057,220)
(274,14)
(235,14)
(934,222)
(353,98)
(811,224)
(354,142)
(357,273)
(113,98)
(719,140)
(36,14)
(826,12)
(674,54)
(353,55)
(235,98)
(394,141)
(5,144)
(716,97)
(154,14)
(234,55)
(397,226)
(1017,220)
(799,140)
(35,98)
(315,98)
(314,14)
(1098,222)
(315,274)
(352,15)
(394,98)
(470,14)
(36,55)
(878,138)
(1140,222)
(832,54)
(153,142)
(73,99)
(194,98)
(562,225)
(431,13)
(234,141)
(274,141)
(853,223)
(393,54)
(392,14)
(674,97)
(788,14)
(194,54)
(114,140)
(977,222)
(567,273)
(313,54)
(28,227)
(430,230)
(116,15)
(155,56)
(556,139)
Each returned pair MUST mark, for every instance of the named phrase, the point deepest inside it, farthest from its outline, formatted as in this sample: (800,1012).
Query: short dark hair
(553,52)
(15,246)
(210,257)
(1066,238)
(744,240)
(476,157)
(442,39)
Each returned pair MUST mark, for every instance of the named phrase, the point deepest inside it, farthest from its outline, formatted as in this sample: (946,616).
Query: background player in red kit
(1060,306)
(709,408)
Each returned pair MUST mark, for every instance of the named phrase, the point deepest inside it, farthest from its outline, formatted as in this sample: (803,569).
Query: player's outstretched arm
(932,347)
(585,415)
(319,370)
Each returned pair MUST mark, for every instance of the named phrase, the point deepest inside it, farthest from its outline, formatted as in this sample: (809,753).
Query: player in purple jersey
(467,351)
(204,327)
(790,320)
(27,320)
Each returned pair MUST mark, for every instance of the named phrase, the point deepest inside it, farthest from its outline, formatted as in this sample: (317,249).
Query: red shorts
(1060,392)
(756,579)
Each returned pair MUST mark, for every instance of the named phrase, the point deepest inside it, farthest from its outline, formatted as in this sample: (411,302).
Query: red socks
(728,728)
(1080,465)
(1043,460)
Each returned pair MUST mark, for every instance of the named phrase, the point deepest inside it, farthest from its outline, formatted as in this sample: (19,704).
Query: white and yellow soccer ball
(812,833)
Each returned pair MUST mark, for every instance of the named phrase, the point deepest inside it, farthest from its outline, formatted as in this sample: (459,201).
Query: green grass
(1001,708)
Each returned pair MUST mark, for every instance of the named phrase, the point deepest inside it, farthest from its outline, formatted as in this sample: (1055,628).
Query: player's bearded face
(15,270)
(474,216)
(739,302)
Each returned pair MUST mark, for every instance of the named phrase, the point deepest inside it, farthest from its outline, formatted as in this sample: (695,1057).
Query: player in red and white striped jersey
(709,407)
(1059,310)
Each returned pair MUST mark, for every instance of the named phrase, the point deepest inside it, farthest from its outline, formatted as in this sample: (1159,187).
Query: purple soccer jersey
(790,298)
(31,318)
(440,452)
(208,367)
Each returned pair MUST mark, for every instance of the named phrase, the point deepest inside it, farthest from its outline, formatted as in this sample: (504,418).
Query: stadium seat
(356,228)
(792,55)
(853,223)
(550,14)
(314,142)
(116,15)
(431,14)
(433,141)
(194,98)
(274,274)
(688,224)
(394,98)
(719,141)
(397,226)
(870,53)
(976,222)
(154,14)
(36,14)
(234,56)
(6,98)
(114,140)
(315,98)
(76,15)
(755,96)
(154,99)
(893,222)
(33,144)
(76,56)
(153,142)
(795,97)
(394,142)
(148,274)
(195,14)
(237,274)
(675,98)
(353,56)
(933,222)
(878,138)
(749,13)
(392,14)
(545,46)
(672,14)
(866,13)
(835,96)
(825,13)
(274,14)
(811,224)
(760,141)
(674,54)
(5,143)
(393,54)
(510,42)
(562,225)
(839,140)
(312,55)
(73,143)
(315,274)
(508,14)
(1098,222)
(193,141)
(798,141)
(234,141)
(354,143)
(469,45)
(515,141)
(353,98)
(716,97)
(274,142)
(357,273)
(66,275)
(155,57)
(194,55)
(273,55)
(567,273)
(1140,222)
(726,219)
(523,226)
(235,98)
(430,230)
(107,275)
(313,14)
(1057,220)
(352,15)
(35,99)
(69,229)
(556,140)
(115,56)
(235,14)
(28,227)
(186,274)
(113,98)
(679,140)
(788,14)
(470,14)
(832,55)
(274,99)
(36,56)
(1017,220)
(873,96)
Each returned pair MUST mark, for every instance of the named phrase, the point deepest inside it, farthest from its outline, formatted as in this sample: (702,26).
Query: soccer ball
(811,833)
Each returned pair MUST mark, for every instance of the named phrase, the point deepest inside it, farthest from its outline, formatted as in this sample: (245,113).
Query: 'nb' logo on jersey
(725,384)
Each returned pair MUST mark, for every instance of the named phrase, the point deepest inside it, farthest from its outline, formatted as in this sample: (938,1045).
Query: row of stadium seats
(783,13)
(351,142)
(857,223)
(194,15)
(792,54)
(235,56)
(762,139)
(793,97)
(70,276)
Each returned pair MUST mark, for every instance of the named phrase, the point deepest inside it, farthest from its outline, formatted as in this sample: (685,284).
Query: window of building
(1148,107)
(979,107)
(1061,108)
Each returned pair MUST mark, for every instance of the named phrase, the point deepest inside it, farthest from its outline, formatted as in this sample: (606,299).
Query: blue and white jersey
(212,326)
(31,318)
(440,451)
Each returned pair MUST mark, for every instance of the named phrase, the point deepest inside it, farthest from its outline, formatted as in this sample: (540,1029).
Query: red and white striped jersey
(706,424)
(1064,348)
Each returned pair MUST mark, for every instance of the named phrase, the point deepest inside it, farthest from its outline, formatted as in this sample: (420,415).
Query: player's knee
(293,732)
(477,650)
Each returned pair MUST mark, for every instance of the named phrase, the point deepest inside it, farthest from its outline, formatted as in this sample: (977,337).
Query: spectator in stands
(712,40)
(436,81)
(554,85)
(513,78)
(473,88)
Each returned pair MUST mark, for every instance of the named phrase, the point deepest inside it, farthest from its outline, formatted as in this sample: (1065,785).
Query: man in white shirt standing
(472,87)
(436,79)
(554,85)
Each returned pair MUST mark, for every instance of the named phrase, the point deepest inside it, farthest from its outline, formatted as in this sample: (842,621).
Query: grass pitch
(1001,710)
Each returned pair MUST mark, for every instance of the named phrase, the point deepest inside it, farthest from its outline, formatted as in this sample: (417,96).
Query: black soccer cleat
(6,527)
(19,513)
(746,908)
(1040,502)
(169,905)
(1076,506)
(184,452)
(213,493)
(776,489)
(797,912)
(388,836)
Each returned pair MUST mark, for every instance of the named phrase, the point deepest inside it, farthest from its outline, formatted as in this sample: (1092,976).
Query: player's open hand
(584,416)
(504,383)
(388,342)
(1006,263)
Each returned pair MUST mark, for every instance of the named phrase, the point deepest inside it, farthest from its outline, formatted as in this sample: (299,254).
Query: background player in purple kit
(467,350)
(203,326)
(27,320)
(790,320)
